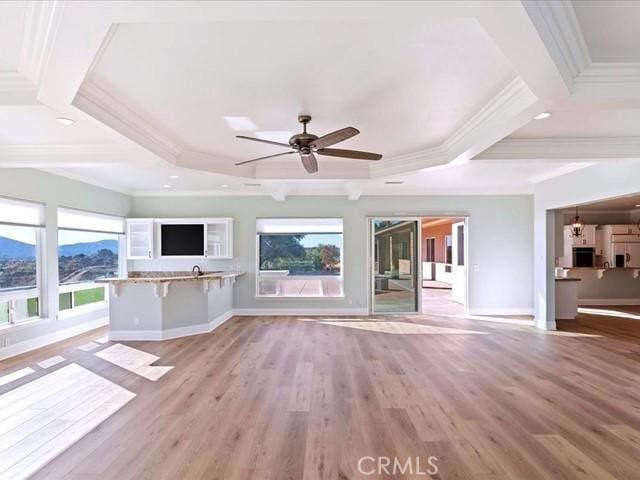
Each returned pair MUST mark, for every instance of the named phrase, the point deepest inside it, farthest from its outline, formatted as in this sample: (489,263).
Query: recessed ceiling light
(65,121)
(224,185)
(174,176)
(542,116)
(394,183)
(166,185)
(240,124)
(252,185)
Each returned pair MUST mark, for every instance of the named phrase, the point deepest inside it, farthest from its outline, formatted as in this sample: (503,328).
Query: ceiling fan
(308,144)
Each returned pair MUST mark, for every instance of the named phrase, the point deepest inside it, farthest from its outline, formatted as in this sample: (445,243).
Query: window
(299,257)
(460,245)
(20,224)
(88,248)
(430,250)
(448,249)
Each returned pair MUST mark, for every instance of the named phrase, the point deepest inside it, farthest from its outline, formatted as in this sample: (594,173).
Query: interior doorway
(443,255)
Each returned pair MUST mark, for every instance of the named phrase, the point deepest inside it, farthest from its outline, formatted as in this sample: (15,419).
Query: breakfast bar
(160,305)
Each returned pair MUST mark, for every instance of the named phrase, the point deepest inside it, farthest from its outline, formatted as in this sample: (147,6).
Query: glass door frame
(371,262)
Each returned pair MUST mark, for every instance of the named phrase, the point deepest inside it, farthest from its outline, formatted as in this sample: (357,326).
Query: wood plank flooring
(307,397)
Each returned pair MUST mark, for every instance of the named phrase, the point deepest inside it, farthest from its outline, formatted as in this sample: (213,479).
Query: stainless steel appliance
(584,257)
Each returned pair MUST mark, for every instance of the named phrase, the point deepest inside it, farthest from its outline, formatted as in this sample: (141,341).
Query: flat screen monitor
(182,240)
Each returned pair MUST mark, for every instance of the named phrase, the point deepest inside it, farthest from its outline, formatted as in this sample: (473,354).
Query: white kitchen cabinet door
(624,229)
(139,238)
(588,238)
(632,255)
(219,238)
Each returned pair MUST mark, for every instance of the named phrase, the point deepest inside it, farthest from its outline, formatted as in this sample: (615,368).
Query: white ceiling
(445,90)
(577,119)
(610,28)
(629,203)
(405,85)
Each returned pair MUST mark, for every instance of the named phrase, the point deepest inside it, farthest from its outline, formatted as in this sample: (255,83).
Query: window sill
(12,327)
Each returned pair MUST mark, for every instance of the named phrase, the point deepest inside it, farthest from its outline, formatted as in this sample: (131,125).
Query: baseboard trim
(608,301)
(294,312)
(502,311)
(53,337)
(157,335)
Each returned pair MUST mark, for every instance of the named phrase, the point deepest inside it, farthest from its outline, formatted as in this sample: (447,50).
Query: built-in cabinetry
(621,246)
(614,245)
(140,238)
(144,237)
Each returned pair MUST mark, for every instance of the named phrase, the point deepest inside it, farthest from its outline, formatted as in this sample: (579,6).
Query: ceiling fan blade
(335,137)
(264,158)
(355,154)
(310,163)
(263,141)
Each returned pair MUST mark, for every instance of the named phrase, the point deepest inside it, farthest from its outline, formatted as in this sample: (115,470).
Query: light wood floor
(306,398)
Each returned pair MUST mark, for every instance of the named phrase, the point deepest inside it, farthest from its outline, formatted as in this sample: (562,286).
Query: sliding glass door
(394,262)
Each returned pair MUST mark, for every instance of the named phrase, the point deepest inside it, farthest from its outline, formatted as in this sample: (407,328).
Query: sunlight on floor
(609,313)
(134,360)
(394,328)
(42,418)
(487,318)
(562,333)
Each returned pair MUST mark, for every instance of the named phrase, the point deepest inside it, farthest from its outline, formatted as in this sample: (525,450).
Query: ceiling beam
(562,149)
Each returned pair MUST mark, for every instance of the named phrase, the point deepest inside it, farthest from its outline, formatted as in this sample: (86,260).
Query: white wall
(55,191)
(500,243)
(598,182)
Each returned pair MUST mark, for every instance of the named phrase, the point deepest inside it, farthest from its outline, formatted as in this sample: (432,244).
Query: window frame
(72,288)
(28,292)
(341,277)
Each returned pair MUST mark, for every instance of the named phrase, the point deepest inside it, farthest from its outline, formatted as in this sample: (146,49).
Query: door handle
(628,257)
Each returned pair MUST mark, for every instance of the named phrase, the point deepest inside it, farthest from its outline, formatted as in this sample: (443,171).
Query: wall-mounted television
(182,240)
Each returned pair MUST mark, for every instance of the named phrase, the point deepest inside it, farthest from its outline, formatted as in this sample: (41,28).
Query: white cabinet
(624,230)
(632,255)
(139,238)
(621,246)
(599,241)
(144,233)
(588,238)
(219,238)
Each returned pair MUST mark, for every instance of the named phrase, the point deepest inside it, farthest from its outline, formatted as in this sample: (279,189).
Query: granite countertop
(166,277)
(568,279)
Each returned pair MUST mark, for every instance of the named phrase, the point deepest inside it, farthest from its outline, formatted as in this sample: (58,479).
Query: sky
(324,238)
(65,237)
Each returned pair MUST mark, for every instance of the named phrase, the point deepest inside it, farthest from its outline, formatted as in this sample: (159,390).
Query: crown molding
(67,155)
(491,123)
(562,149)
(16,89)
(107,107)
(608,81)
(42,20)
(558,27)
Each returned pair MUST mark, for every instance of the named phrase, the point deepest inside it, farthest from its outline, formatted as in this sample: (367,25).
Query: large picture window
(299,257)
(88,248)
(20,224)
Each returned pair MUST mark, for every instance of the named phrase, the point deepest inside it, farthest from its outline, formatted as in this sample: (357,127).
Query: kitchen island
(163,305)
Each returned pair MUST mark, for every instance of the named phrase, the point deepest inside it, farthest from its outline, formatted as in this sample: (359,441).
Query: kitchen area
(599,263)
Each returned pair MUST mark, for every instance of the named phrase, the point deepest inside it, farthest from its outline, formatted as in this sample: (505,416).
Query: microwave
(584,256)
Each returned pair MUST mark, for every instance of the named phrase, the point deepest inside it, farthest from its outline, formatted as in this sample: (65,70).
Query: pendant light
(577,225)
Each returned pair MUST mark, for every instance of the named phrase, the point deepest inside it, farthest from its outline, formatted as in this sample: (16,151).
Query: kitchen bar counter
(167,277)
(566,298)
(163,305)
